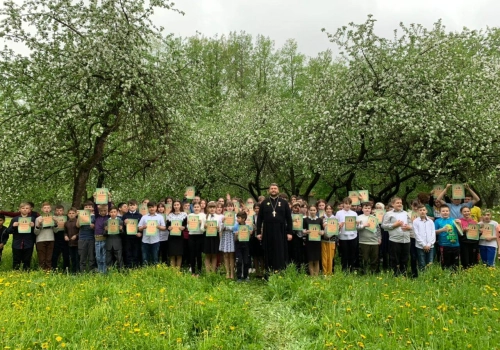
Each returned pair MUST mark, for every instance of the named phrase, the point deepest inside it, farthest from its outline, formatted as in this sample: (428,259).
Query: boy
(60,244)
(44,238)
(101,217)
(348,242)
(368,241)
(196,240)
(122,209)
(448,239)
(242,249)
(151,241)
(296,244)
(4,236)
(396,223)
(86,241)
(22,243)
(114,241)
(425,237)
(71,237)
(488,246)
(133,242)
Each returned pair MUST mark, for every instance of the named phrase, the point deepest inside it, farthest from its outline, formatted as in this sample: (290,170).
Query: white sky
(303,19)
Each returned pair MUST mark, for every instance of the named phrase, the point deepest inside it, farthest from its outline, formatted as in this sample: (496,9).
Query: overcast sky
(303,19)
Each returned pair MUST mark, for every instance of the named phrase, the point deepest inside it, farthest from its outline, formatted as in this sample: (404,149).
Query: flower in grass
(361,345)
(45,345)
(363,336)
(58,338)
(63,345)
(445,329)
(232,328)
(137,330)
(179,340)
(163,333)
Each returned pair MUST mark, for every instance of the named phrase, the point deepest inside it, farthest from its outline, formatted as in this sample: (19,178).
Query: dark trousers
(74,258)
(134,251)
(186,255)
(348,250)
(242,253)
(113,256)
(22,256)
(399,253)
(449,257)
(164,252)
(468,254)
(369,255)
(413,258)
(60,248)
(296,252)
(195,250)
(384,250)
(86,250)
(1,251)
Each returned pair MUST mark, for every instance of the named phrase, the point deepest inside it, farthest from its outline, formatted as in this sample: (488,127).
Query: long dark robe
(274,232)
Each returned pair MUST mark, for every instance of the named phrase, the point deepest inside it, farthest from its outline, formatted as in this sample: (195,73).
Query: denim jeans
(424,258)
(150,253)
(100,255)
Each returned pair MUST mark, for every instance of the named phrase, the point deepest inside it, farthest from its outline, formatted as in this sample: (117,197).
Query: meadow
(161,308)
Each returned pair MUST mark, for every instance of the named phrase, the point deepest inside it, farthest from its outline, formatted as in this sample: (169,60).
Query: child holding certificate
(211,242)
(369,239)
(86,240)
(44,231)
(447,236)
(60,245)
(348,235)
(425,237)
(196,228)
(488,240)
(114,247)
(133,238)
(313,229)
(23,237)
(469,245)
(296,250)
(71,237)
(176,222)
(226,245)
(150,225)
(242,246)
(256,249)
(329,241)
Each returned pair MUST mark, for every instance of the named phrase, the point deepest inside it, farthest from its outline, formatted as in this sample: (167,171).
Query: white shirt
(425,233)
(343,234)
(492,243)
(202,219)
(153,238)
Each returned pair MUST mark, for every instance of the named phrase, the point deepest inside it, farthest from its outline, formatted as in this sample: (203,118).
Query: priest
(274,226)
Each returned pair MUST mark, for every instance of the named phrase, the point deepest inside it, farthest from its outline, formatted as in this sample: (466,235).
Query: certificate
(321,213)
(249,221)
(332,227)
(488,231)
(236,206)
(151,227)
(101,196)
(131,226)
(193,223)
(473,231)
(113,226)
(412,215)
(437,189)
(229,219)
(379,213)
(211,230)
(458,191)
(249,207)
(350,224)
(458,226)
(190,192)
(314,230)
(84,217)
(47,220)
(354,195)
(143,209)
(243,233)
(297,222)
(365,198)
(176,227)
(24,225)
(372,224)
(60,220)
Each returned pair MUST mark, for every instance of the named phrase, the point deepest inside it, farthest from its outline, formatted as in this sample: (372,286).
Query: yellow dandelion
(58,338)
(232,328)
(380,335)
(430,333)
(368,315)
(361,345)
(137,330)
(179,340)
(45,345)
(162,333)
(445,329)
(363,336)
(63,345)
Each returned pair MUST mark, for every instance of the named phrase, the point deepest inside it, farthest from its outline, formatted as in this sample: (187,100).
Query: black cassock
(275,228)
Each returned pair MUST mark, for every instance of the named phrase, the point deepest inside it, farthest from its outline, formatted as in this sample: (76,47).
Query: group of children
(224,232)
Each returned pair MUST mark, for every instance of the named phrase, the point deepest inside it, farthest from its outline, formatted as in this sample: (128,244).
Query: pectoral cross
(274,213)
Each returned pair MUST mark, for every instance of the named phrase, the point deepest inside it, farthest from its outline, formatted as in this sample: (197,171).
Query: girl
(211,243)
(321,205)
(328,244)
(176,243)
(196,240)
(219,209)
(469,248)
(203,206)
(163,236)
(227,244)
(296,244)
(256,249)
(313,248)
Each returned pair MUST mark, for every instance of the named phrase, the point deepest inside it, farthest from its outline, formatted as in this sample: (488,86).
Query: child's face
(398,205)
(445,212)
(340,206)
(211,210)
(313,211)
(88,207)
(240,220)
(321,206)
(219,210)
(124,208)
(132,207)
(486,217)
(59,211)
(103,212)
(346,206)
(161,209)
(25,210)
(295,209)
(113,213)
(152,210)
(229,207)
(422,212)
(187,208)
(177,207)
(197,208)
(256,210)
(367,210)
(329,211)
(303,210)
(466,212)
(46,209)
(71,214)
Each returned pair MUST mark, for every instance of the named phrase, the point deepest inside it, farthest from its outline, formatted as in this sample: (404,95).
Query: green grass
(160,308)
